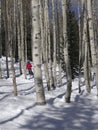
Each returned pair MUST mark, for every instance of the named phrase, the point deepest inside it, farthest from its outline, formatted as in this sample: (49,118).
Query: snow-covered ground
(22,113)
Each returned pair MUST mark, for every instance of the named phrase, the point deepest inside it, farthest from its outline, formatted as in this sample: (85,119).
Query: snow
(22,112)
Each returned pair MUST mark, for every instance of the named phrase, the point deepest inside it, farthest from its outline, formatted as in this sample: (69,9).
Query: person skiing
(29,68)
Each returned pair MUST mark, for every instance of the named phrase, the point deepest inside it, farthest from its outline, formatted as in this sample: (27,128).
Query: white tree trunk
(85,44)
(10,19)
(68,68)
(54,42)
(36,36)
(22,38)
(80,44)
(0,43)
(45,44)
(19,36)
(92,42)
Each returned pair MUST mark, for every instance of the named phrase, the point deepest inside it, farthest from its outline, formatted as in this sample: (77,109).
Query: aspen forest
(59,39)
(50,33)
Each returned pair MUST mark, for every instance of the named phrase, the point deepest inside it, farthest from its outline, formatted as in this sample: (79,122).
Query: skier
(29,68)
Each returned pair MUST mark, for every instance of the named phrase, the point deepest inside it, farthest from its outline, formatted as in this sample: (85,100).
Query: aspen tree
(36,37)
(0,43)
(95,27)
(58,41)
(21,41)
(61,46)
(12,38)
(54,42)
(41,2)
(10,5)
(80,44)
(22,38)
(85,48)
(67,61)
(49,54)
(86,61)
(92,42)
(6,36)
(83,31)
(25,27)
(45,44)
(18,34)
(14,46)
(14,28)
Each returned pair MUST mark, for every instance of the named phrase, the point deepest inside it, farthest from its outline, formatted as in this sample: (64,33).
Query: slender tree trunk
(25,28)
(85,43)
(50,60)
(80,45)
(54,42)
(86,69)
(95,22)
(21,44)
(0,44)
(86,62)
(6,36)
(67,61)
(22,38)
(25,34)
(52,85)
(36,36)
(41,2)
(58,43)
(45,45)
(92,42)
(19,36)
(10,5)
(61,46)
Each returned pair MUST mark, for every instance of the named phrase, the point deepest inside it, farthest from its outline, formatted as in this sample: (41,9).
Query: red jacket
(28,66)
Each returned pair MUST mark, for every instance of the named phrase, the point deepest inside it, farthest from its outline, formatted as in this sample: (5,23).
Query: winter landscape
(22,112)
(48,65)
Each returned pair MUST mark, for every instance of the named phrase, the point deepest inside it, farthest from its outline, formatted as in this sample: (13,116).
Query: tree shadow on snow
(74,116)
